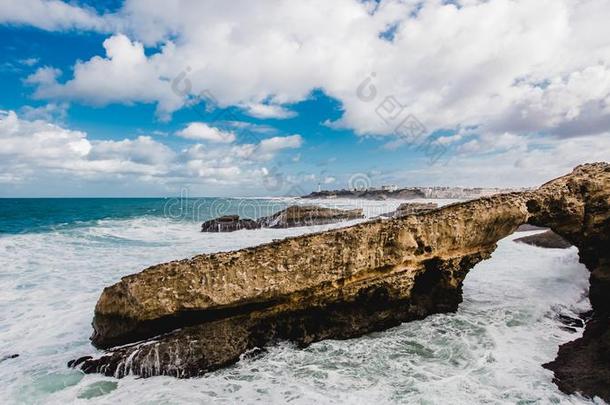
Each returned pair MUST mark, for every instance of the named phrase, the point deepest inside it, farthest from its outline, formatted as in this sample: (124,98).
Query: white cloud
(265,111)
(278,143)
(126,75)
(141,150)
(51,145)
(51,15)
(515,161)
(51,112)
(497,64)
(29,147)
(29,61)
(202,132)
(526,84)
(37,151)
(249,126)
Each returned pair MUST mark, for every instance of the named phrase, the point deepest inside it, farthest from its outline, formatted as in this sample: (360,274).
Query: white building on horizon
(389,187)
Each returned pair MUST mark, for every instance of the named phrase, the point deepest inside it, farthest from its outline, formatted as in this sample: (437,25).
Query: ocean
(56,256)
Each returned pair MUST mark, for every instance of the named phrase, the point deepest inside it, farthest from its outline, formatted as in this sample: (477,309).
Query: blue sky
(94,101)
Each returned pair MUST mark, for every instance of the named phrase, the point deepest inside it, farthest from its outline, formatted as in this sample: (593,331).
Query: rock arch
(202,313)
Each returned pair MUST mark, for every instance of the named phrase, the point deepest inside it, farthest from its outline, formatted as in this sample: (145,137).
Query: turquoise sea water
(23,215)
(56,256)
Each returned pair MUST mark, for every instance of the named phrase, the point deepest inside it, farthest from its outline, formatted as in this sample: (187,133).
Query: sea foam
(490,351)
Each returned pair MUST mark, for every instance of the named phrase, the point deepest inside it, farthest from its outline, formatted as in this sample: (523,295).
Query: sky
(269,98)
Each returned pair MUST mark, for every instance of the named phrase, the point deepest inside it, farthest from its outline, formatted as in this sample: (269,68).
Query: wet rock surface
(577,207)
(529,227)
(548,239)
(293,216)
(405,209)
(307,215)
(583,365)
(8,357)
(190,316)
(228,223)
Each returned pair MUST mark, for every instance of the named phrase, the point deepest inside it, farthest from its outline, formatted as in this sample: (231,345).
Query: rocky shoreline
(187,317)
(399,194)
(293,216)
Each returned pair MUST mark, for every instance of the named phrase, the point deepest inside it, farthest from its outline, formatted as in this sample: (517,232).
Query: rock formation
(405,209)
(190,316)
(229,223)
(295,215)
(547,239)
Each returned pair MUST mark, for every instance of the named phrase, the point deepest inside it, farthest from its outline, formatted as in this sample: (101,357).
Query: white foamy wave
(491,350)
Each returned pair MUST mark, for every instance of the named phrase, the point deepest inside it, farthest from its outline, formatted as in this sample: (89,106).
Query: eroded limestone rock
(293,216)
(202,313)
(410,208)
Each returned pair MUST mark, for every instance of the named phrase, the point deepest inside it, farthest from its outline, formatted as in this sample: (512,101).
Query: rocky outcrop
(340,283)
(370,194)
(548,239)
(529,227)
(307,215)
(577,207)
(199,314)
(229,223)
(405,209)
(293,216)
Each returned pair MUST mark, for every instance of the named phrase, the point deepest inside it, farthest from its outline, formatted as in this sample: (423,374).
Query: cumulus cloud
(522,85)
(496,65)
(125,75)
(203,132)
(28,147)
(34,149)
(52,15)
(278,143)
(534,161)
(51,112)
(265,111)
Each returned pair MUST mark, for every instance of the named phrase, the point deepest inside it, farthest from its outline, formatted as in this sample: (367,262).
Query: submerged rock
(190,316)
(548,239)
(296,215)
(8,357)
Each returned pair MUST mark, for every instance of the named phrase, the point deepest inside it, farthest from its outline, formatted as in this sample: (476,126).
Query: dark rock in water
(529,227)
(228,223)
(405,209)
(571,321)
(77,362)
(8,357)
(583,365)
(204,312)
(548,239)
(307,215)
(296,215)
